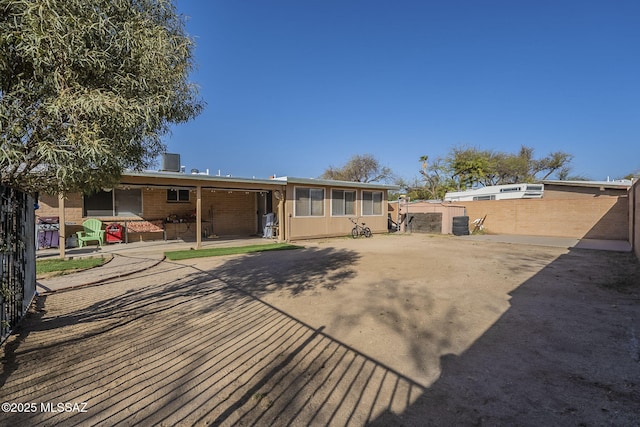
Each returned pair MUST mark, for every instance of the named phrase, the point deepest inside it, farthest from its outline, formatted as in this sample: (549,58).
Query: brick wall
(634,217)
(605,217)
(223,213)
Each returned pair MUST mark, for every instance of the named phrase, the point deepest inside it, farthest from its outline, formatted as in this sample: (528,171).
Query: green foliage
(466,167)
(87,88)
(202,253)
(359,168)
(62,265)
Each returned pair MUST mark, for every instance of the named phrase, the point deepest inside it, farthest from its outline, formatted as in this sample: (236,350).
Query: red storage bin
(114,233)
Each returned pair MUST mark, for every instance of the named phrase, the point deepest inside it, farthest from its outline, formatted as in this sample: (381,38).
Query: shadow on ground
(566,352)
(301,270)
(200,349)
(191,347)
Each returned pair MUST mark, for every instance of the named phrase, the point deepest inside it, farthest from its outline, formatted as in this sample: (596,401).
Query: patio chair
(92,231)
(478,224)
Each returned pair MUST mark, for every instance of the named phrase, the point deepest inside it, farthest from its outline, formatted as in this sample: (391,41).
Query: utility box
(114,233)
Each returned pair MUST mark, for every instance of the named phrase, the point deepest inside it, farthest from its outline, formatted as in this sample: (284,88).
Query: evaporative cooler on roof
(170,162)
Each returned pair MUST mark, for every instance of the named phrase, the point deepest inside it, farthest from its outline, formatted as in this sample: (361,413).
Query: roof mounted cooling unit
(170,162)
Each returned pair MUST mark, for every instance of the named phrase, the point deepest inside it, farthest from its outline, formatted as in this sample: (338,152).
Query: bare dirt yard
(393,330)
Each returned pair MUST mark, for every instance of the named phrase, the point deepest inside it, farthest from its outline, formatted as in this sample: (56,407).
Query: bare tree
(360,168)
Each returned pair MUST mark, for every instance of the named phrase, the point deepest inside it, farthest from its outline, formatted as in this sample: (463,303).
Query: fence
(634,217)
(582,218)
(17,257)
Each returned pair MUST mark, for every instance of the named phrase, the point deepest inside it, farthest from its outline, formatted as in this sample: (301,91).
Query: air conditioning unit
(170,162)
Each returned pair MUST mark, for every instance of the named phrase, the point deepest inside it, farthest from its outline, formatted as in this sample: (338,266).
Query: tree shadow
(199,349)
(187,346)
(301,270)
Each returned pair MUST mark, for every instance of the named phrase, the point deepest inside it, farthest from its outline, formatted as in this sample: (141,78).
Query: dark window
(177,195)
(113,203)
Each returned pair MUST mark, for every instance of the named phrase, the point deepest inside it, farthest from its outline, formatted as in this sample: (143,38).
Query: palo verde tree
(87,88)
(359,168)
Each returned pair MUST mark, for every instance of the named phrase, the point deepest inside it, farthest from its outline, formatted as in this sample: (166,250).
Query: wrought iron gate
(17,257)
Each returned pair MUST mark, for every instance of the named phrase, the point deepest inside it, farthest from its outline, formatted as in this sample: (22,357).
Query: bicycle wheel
(355,233)
(366,232)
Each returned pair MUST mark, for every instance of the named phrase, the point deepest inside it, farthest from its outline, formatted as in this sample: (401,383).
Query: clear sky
(293,87)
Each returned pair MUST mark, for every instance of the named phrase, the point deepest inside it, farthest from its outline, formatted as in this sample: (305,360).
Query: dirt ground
(393,330)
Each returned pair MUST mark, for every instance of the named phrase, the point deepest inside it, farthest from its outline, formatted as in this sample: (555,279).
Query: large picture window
(343,202)
(372,203)
(113,203)
(309,201)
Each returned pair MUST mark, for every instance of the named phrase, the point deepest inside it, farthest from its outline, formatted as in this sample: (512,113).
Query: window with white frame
(343,202)
(114,203)
(372,203)
(309,201)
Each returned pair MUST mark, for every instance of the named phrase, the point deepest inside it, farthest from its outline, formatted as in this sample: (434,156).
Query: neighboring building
(497,192)
(192,206)
(556,189)
(578,209)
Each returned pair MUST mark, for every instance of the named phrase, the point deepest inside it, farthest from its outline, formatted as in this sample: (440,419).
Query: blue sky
(293,87)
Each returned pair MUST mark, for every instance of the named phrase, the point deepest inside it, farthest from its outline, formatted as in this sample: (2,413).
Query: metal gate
(17,257)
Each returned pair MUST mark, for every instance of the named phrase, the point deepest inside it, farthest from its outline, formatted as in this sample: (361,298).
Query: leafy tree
(436,177)
(359,168)
(87,88)
(414,189)
(466,167)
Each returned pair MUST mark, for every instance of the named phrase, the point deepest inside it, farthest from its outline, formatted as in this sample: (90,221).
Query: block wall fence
(605,217)
(634,217)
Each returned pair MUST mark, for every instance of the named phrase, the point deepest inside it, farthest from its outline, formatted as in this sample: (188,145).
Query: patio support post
(281,228)
(198,217)
(62,231)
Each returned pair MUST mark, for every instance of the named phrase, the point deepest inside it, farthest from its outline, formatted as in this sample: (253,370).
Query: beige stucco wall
(328,225)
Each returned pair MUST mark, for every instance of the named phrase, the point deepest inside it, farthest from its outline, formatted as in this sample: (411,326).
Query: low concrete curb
(119,266)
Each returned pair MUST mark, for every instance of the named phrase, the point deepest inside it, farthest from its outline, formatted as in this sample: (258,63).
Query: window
(309,201)
(343,202)
(509,189)
(113,203)
(487,197)
(177,195)
(372,203)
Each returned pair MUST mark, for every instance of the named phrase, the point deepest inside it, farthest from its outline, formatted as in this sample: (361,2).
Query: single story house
(195,206)
(557,189)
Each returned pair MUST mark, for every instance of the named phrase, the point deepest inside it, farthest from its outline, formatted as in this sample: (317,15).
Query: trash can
(114,233)
(48,232)
(460,226)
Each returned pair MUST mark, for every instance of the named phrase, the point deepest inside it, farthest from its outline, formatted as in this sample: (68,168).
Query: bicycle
(359,230)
